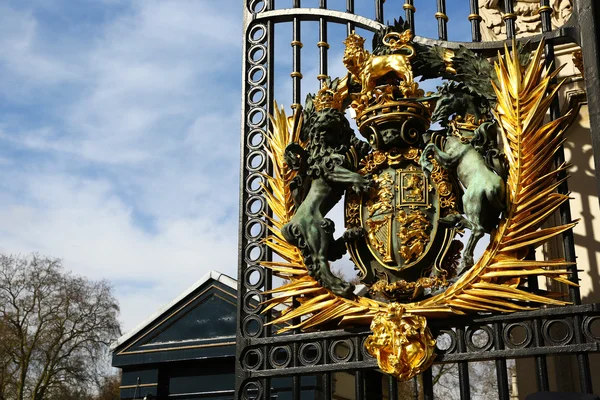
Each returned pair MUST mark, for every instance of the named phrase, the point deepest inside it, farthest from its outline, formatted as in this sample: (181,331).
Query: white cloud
(83,221)
(131,173)
(23,53)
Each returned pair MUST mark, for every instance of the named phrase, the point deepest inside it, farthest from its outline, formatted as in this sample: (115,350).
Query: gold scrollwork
(379,159)
(373,161)
(446,190)
(353,211)
(396,156)
(402,288)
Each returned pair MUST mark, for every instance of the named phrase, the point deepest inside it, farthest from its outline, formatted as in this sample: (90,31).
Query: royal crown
(387,106)
(327,98)
(467,123)
(353,41)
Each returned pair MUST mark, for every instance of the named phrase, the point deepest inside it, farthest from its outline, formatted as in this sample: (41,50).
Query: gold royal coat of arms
(410,192)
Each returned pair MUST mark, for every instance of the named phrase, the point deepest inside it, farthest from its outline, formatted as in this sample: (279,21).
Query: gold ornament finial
(401,342)
(327,98)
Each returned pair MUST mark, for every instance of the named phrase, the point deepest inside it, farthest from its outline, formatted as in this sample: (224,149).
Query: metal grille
(262,355)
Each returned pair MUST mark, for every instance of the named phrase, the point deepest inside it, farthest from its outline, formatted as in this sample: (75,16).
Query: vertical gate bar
(532,281)
(501,371)
(392,388)
(270,102)
(463,366)
(373,384)
(240,373)
(350,9)
(409,14)
(379,10)
(296,394)
(442,19)
(509,18)
(463,380)
(585,377)
(266,384)
(427,384)
(541,367)
(475,19)
(563,188)
(296,378)
(358,385)
(322,45)
(587,21)
(502,378)
(415,382)
(243,263)
(296,88)
(296,66)
(295,348)
(270,71)
(326,386)
(541,374)
(268,285)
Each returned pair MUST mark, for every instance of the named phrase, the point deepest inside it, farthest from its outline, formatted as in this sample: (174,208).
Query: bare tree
(56,328)
(109,389)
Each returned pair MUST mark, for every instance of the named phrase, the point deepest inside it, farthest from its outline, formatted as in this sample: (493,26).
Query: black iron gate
(263,356)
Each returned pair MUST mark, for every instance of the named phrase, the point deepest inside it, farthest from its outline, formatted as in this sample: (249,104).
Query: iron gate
(263,356)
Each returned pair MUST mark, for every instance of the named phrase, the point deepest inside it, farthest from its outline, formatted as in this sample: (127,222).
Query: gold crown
(466,123)
(386,107)
(353,40)
(327,98)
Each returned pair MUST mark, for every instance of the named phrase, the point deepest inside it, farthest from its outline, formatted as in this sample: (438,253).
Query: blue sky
(119,136)
(119,130)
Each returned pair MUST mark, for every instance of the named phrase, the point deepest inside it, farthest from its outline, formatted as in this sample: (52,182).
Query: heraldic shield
(405,248)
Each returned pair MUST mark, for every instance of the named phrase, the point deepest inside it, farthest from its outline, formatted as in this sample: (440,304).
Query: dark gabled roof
(199,323)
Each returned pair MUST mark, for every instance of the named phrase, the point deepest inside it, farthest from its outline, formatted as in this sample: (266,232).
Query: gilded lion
(367,68)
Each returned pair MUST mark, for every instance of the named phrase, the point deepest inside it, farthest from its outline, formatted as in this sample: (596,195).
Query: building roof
(212,275)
